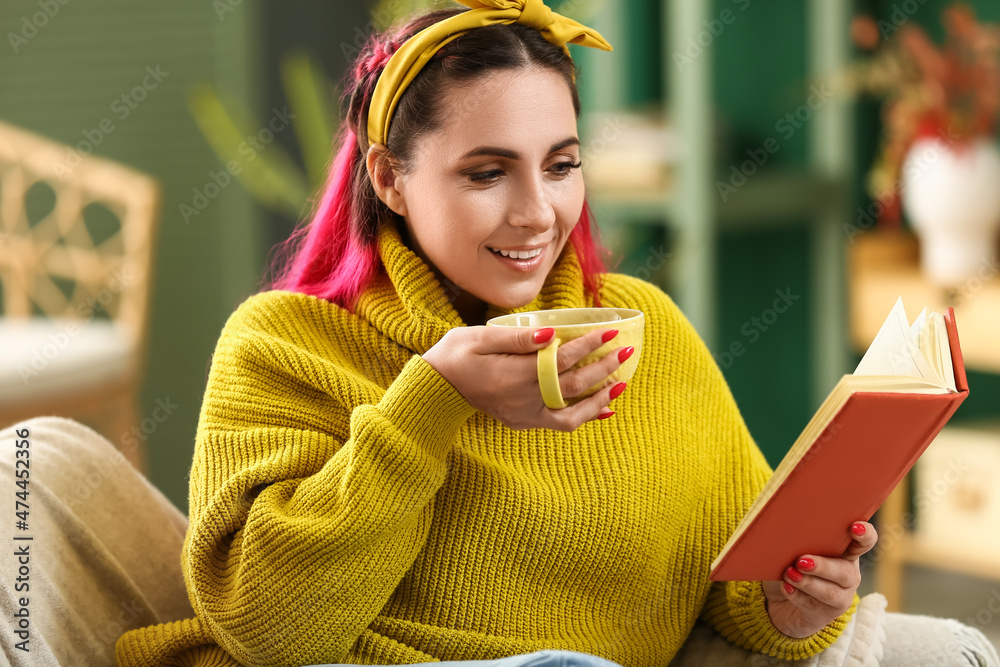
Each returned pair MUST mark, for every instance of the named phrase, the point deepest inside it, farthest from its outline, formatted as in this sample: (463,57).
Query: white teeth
(519,254)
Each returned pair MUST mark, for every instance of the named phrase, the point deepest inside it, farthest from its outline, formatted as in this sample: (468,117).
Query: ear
(384,178)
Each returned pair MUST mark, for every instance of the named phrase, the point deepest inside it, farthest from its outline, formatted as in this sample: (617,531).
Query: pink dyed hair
(336,256)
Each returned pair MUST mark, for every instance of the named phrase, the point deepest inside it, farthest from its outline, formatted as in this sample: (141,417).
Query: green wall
(760,72)
(62,82)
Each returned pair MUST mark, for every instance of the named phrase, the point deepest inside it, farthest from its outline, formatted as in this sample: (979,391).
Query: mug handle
(548,376)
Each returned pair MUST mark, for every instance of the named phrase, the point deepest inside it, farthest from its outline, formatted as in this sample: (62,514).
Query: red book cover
(846,474)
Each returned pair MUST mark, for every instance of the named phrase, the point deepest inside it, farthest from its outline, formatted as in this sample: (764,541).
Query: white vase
(951,195)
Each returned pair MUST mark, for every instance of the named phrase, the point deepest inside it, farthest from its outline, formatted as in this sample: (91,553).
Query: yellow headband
(410,58)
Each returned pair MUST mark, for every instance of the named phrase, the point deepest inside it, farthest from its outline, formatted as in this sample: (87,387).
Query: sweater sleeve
(738,611)
(309,498)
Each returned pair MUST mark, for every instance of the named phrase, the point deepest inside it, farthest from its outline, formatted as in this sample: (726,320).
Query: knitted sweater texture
(347,504)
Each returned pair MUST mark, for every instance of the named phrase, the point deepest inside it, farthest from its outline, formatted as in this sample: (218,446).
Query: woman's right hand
(495,369)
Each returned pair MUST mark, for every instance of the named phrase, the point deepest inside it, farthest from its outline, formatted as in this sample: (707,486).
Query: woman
(376,479)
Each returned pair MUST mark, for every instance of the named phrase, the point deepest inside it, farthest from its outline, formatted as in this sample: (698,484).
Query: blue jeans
(545,658)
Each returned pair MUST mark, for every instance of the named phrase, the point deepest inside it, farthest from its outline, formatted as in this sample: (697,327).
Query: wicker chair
(75,310)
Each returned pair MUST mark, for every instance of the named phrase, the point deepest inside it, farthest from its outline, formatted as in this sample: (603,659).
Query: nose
(532,206)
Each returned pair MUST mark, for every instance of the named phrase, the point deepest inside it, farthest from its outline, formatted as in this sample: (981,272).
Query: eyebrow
(514,155)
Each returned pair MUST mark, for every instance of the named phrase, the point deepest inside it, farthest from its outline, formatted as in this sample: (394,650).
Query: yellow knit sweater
(347,504)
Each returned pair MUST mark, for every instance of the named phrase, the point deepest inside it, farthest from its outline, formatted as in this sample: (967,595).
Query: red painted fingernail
(609,335)
(858,529)
(617,390)
(793,574)
(806,564)
(789,588)
(605,415)
(625,354)
(543,335)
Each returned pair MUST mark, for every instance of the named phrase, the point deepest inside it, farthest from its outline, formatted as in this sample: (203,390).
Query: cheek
(437,216)
(570,207)
(468,219)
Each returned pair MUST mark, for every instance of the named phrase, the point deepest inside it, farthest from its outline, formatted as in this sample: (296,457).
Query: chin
(515,301)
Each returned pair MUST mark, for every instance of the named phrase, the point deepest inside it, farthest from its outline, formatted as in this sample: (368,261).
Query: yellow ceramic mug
(570,323)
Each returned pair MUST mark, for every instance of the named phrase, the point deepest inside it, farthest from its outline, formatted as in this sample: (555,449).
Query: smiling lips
(521,260)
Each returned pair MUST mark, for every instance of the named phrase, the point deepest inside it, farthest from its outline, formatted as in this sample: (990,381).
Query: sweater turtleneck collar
(411,306)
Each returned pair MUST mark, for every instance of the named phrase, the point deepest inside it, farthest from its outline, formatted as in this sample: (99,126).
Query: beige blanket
(872,637)
(105,550)
(860,645)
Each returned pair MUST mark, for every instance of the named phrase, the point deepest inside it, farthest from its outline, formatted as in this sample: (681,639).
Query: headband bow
(411,57)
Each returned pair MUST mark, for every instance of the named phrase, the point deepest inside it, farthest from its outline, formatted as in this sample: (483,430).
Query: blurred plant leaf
(580,11)
(308,94)
(269,175)
(385,12)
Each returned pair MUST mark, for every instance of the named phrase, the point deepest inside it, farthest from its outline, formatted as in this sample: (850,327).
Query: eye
(563,168)
(486,176)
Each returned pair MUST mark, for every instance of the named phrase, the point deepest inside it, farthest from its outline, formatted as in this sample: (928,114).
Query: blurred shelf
(690,206)
(641,206)
(780,199)
(899,545)
(885,266)
(769,200)
(920,551)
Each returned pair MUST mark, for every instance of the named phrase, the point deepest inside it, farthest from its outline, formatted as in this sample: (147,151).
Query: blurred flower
(864,32)
(951,91)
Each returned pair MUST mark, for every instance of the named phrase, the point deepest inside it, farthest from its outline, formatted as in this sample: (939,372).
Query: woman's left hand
(821,588)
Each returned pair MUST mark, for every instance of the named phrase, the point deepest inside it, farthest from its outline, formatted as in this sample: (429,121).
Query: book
(865,436)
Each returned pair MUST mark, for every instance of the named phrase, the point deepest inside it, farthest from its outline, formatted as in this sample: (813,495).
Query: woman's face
(496,176)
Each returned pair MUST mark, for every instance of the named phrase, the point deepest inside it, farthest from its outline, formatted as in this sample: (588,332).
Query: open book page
(926,334)
(895,351)
(923,335)
(943,353)
(931,334)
